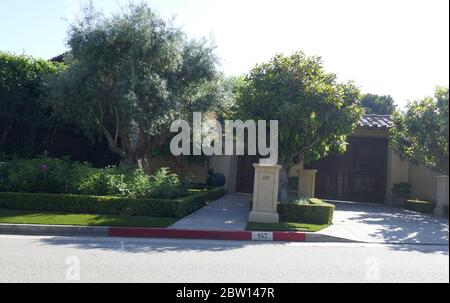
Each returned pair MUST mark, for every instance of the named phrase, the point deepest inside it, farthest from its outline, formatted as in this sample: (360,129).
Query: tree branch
(116,137)
(112,144)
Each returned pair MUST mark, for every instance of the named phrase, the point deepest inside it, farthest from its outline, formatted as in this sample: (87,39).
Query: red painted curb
(289,237)
(203,234)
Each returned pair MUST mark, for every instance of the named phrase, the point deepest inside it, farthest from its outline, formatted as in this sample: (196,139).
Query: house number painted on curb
(262,236)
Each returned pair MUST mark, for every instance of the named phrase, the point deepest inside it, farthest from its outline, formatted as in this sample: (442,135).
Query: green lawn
(53,218)
(285,227)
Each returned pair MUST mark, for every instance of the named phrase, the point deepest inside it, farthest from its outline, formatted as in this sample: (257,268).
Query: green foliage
(47,175)
(421,133)
(76,204)
(41,175)
(315,113)
(214,193)
(166,185)
(55,218)
(423,207)
(312,211)
(402,190)
(378,105)
(130,76)
(23,120)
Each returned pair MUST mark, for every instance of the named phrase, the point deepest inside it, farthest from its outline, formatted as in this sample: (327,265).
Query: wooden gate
(358,175)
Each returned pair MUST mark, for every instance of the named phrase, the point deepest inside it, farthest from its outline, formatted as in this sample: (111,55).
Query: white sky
(396,47)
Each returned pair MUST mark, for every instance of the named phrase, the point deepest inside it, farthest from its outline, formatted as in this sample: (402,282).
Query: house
(365,173)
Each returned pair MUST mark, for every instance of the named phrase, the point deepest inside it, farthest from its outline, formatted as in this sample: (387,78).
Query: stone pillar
(442,196)
(265,194)
(307,183)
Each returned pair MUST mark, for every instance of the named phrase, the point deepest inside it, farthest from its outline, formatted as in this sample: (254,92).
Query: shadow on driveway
(389,225)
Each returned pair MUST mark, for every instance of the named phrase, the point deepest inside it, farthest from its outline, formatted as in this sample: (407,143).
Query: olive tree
(420,134)
(314,111)
(129,76)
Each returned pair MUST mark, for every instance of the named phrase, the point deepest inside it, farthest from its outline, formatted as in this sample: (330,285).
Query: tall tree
(421,133)
(130,75)
(315,112)
(22,84)
(378,105)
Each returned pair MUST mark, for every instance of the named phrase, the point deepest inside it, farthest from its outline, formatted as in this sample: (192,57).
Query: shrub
(177,208)
(424,207)
(41,175)
(214,193)
(312,211)
(56,176)
(166,185)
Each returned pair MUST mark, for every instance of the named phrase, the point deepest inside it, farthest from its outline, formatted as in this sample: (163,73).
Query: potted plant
(402,192)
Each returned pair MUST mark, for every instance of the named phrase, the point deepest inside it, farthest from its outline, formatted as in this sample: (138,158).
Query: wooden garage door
(358,175)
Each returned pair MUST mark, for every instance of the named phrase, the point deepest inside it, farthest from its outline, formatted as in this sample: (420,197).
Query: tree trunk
(132,160)
(284,180)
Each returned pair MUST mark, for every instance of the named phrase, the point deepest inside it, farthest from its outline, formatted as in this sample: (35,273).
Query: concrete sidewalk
(229,213)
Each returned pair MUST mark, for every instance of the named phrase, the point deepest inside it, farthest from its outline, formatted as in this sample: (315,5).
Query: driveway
(382,224)
(228,213)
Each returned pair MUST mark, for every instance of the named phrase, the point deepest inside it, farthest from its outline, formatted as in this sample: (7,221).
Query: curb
(53,230)
(259,236)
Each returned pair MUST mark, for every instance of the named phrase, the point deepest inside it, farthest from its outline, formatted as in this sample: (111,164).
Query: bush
(177,208)
(423,207)
(41,175)
(312,211)
(214,193)
(46,175)
(164,184)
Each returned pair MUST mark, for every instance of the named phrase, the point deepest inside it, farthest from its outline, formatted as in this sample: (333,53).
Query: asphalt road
(58,259)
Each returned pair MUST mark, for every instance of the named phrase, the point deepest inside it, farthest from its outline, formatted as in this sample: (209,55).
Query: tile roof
(376,121)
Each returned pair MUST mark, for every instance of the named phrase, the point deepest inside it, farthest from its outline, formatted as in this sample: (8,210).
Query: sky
(387,47)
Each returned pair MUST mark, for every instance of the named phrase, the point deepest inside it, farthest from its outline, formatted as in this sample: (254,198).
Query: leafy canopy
(22,84)
(130,75)
(315,112)
(421,133)
(378,105)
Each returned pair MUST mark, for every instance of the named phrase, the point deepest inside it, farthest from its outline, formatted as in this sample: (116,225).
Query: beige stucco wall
(397,172)
(423,181)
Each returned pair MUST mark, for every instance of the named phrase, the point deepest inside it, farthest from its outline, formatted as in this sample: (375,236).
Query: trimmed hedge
(214,193)
(314,212)
(178,208)
(423,207)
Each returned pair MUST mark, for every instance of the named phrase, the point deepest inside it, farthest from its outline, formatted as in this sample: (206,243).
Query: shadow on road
(149,246)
